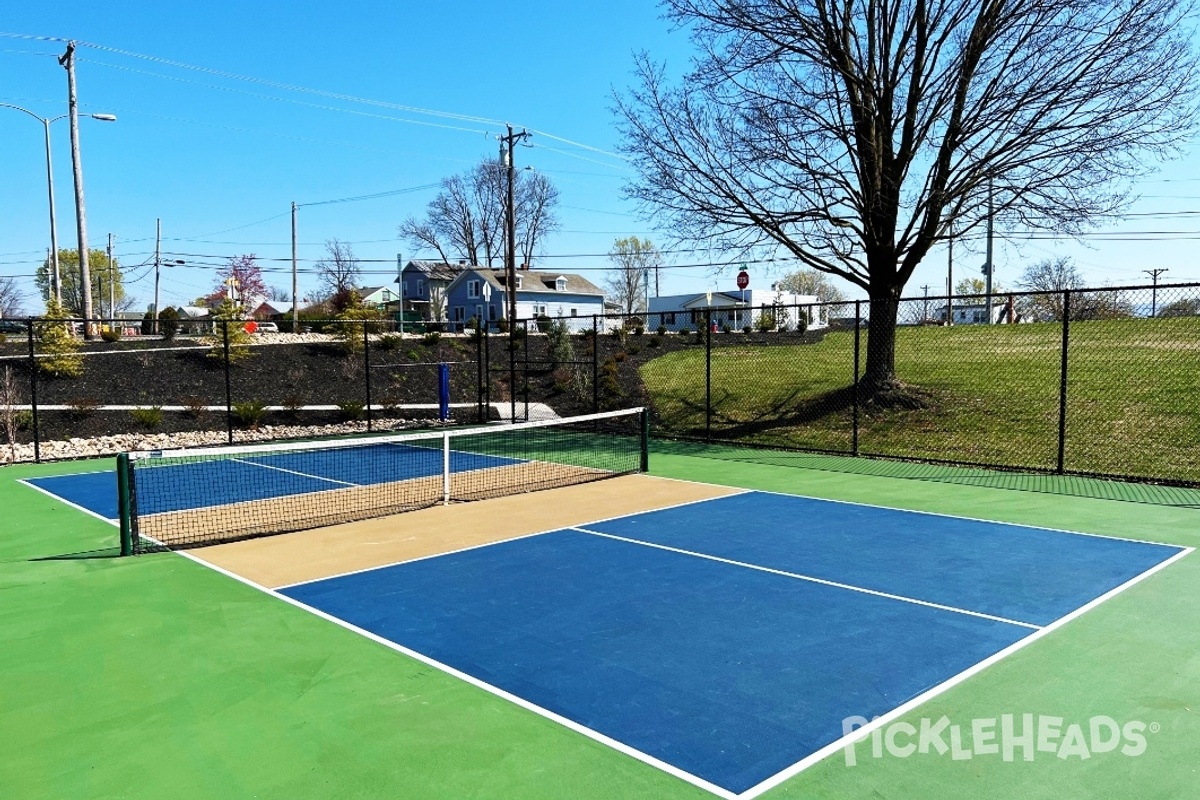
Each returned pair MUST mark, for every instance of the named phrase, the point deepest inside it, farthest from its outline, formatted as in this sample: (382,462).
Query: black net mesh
(189,498)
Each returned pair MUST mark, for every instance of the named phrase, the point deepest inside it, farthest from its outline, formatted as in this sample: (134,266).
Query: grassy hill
(992,395)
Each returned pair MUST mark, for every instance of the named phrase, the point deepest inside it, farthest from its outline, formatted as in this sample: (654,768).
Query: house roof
(537,281)
(438,270)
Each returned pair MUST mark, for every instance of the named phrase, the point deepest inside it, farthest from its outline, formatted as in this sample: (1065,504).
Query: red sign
(743,279)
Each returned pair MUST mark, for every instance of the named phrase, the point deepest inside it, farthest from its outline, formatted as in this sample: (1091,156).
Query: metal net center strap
(186,498)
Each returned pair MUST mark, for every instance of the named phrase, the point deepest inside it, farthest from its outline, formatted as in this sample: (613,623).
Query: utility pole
(67,61)
(112,287)
(1154,273)
(157,269)
(925,312)
(510,219)
(400,287)
(295,284)
(989,268)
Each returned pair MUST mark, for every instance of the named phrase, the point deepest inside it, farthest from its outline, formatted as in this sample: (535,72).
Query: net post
(445,469)
(645,436)
(124,504)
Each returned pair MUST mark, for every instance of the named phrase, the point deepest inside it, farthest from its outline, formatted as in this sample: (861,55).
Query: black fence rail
(1086,382)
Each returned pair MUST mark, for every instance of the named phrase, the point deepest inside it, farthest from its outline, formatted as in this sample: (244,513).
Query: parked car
(267,327)
(12,326)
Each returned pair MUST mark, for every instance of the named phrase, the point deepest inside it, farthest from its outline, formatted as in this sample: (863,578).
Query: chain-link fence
(1087,382)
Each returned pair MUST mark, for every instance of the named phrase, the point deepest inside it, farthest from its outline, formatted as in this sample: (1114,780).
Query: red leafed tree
(244,276)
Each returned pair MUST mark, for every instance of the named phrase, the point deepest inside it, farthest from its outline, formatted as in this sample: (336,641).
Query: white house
(481,293)
(736,309)
(974,313)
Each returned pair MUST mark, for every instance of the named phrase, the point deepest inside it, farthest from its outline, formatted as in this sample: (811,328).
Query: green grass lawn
(992,392)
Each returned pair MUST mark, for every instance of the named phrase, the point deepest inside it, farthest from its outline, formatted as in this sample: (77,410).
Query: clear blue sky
(220,158)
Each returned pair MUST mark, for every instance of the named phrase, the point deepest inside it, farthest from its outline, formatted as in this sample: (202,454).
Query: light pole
(55,286)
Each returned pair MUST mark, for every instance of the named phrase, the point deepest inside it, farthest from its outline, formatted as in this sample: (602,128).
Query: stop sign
(743,279)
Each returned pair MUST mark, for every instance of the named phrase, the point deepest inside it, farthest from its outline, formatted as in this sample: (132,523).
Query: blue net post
(443,392)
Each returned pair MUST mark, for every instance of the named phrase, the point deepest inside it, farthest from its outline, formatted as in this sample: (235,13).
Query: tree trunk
(880,374)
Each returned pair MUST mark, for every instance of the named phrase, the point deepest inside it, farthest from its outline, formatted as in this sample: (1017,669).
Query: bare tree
(11,297)
(810,281)
(535,199)
(339,270)
(854,135)
(1052,278)
(625,282)
(465,221)
(9,398)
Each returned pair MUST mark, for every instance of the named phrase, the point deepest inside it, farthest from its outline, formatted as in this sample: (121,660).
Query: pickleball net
(193,497)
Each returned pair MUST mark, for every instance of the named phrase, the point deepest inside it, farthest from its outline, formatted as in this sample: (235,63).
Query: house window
(420,288)
(669,318)
(492,313)
(478,313)
(560,285)
(695,317)
(518,281)
(460,313)
(574,312)
(472,289)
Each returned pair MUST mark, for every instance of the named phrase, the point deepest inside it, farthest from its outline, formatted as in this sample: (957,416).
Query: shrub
(227,319)
(633,349)
(684,331)
(662,330)
(293,405)
(638,330)
(801,324)
(765,321)
(111,335)
(148,323)
(431,338)
(353,410)
(413,355)
(23,419)
(727,328)
(83,407)
(149,418)
(60,348)
(194,406)
(250,413)
(168,323)
(390,341)
(620,356)
(653,341)
(543,323)
(746,329)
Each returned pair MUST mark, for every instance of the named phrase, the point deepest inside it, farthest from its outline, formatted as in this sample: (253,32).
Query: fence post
(487,372)
(367,368)
(595,363)
(857,359)
(480,332)
(1062,383)
(708,325)
(512,370)
(525,370)
(228,384)
(33,404)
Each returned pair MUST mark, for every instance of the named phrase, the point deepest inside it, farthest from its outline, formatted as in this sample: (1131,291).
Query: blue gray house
(482,293)
(422,287)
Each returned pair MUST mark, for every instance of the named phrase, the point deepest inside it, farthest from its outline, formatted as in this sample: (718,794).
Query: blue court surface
(728,639)
(221,481)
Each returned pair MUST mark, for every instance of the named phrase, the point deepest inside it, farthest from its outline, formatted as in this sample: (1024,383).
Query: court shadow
(83,555)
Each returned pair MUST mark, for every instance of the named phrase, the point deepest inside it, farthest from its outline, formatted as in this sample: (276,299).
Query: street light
(56,288)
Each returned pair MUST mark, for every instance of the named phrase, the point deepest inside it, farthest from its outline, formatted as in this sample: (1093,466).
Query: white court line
(925,513)
(861,733)
(489,544)
(766,784)
(67,502)
(811,579)
(295,472)
(566,722)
